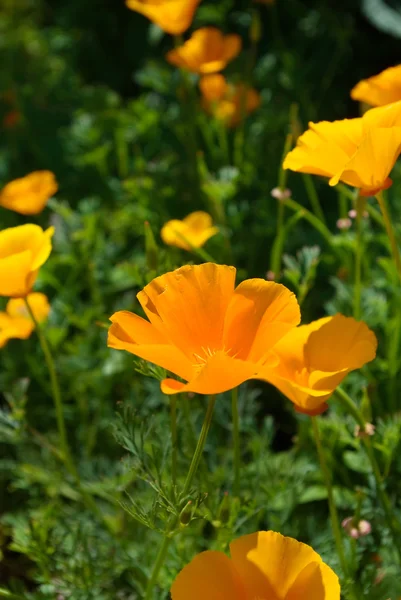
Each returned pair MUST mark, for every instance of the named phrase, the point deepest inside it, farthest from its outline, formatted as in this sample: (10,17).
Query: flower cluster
(207,52)
(215,336)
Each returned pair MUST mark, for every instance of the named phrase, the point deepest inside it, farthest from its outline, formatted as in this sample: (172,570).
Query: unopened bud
(224,510)
(368,430)
(344,223)
(356,530)
(281,193)
(270,275)
(186,513)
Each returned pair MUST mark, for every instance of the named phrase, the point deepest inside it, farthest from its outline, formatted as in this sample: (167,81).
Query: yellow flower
(28,195)
(263,565)
(227,102)
(206,51)
(173,16)
(15,321)
(204,330)
(192,232)
(360,152)
(23,250)
(380,89)
(315,358)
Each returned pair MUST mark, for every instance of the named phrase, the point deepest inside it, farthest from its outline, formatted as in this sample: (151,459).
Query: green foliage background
(101,108)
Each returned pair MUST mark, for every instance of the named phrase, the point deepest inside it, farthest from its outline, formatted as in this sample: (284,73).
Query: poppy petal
(219,374)
(269,563)
(259,314)
(210,575)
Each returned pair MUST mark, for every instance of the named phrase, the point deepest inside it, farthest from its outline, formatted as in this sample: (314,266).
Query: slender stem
(342,203)
(392,523)
(335,523)
(187,485)
(236,441)
(313,197)
(317,224)
(359,205)
(390,231)
(200,445)
(58,403)
(173,424)
(275,263)
(65,453)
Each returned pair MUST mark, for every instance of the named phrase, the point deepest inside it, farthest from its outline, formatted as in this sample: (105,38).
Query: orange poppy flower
(262,565)
(360,152)
(15,321)
(227,102)
(380,89)
(23,250)
(29,195)
(315,358)
(204,330)
(173,16)
(192,232)
(206,51)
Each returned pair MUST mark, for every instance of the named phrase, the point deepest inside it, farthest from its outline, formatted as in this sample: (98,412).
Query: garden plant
(200,300)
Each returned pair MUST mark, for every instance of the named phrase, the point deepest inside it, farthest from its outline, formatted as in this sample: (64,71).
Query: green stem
(275,263)
(317,224)
(390,231)
(56,394)
(359,205)
(335,523)
(393,525)
(173,424)
(313,197)
(236,440)
(187,485)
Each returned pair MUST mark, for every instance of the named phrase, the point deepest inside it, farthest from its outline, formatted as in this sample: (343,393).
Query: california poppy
(23,250)
(315,358)
(360,152)
(192,232)
(380,89)
(262,565)
(208,50)
(28,195)
(228,102)
(204,330)
(173,16)
(16,322)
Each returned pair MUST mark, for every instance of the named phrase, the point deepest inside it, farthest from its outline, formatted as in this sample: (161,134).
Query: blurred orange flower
(262,565)
(173,16)
(204,330)
(15,321)
(380,89)
(227,102)
(23,250)
(360,152)
(208,50)
(315,358)
(11,119)
(192,232)
(29,195)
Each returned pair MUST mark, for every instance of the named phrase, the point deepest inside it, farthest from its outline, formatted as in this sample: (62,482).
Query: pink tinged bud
(364,527)
(352,214)
(280,193)
(354,533)
(347,522)
(368,431)
(270,275)
(344,224)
